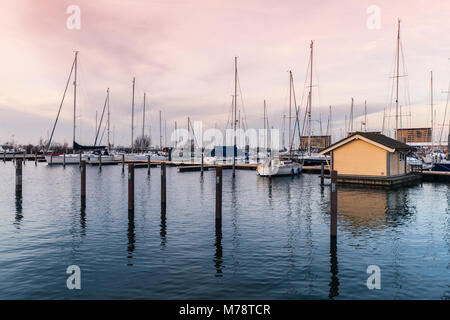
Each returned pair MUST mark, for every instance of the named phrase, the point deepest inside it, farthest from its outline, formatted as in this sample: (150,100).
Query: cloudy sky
(182,53)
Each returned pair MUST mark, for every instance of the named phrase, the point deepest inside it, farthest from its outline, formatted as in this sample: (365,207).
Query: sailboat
(53,158)
(275,166)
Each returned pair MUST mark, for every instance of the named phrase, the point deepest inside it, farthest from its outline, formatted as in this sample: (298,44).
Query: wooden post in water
(218,193)
(80,161)
(14,158)
(64,160)
(123,162)
(333,204)
(83,180)
(18,176)
(51,159)
(130,187)
(35,158)
(100,162)
(24,159)
(321,173)
(148,165)
(4,156)
(163,184)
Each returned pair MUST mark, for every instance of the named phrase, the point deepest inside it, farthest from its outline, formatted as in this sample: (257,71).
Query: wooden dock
(436,176)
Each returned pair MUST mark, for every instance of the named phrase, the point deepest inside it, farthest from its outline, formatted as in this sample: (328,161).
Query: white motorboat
(276,167)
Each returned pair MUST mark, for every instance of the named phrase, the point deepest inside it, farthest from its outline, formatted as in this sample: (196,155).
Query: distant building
(317,142)
(368,154)
(414,135)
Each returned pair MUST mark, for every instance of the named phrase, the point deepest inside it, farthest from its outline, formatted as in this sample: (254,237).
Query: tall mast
(284,131)
(365,115)
(310,98)
(432,115)
(290,104)
(132,117)
(75,101)
(235,109)
(160,130)
(109,119)
(165,132)
(351,118)
(265,129)
(329,125)
(397,78)
(176,135)
(143,120)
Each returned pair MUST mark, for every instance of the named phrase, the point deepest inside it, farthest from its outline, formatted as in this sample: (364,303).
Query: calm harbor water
(274,241)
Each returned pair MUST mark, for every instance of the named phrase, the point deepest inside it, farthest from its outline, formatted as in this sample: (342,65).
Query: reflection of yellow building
(368,154)
(363,208)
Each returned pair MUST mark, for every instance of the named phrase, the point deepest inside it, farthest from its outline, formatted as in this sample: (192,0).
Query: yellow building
(368,154)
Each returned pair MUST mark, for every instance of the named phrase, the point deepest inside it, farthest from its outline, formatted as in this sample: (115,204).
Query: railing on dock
(416,168)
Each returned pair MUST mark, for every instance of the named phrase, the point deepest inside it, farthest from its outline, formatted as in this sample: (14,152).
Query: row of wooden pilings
(218,182)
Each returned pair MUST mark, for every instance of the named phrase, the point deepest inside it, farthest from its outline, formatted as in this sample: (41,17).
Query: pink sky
(182,52)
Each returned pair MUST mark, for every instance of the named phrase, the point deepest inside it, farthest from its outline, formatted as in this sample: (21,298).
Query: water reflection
(373,209)
(19,215)
(334,283)
(162,231)
(83,216)
(131,237)
(218,254)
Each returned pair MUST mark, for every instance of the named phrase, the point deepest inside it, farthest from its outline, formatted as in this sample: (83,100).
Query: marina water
(273,244)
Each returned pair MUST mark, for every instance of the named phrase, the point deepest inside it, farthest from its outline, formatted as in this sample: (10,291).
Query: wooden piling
(18,176)
(4,156)
(123,162)
(80,161)
(83,179)
(321,174)
(163,184)
(148,164)
(64,160)
(100,162)
(35,158)
(51,159)
(130,187)
(218,193)
(24,159)
(333,204)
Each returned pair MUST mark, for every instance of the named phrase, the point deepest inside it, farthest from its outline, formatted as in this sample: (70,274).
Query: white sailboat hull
(70,159)
(266,170)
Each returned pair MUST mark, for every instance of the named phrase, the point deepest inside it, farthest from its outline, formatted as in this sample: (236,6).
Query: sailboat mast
(143,120)
(75,101)
(160,130)
(265,129)
(290,106)
(351,118)
(132,117)
(310,98)
(109,120)
(432,115)
(235,109)
(397,78)
(329,125)
(365,115)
